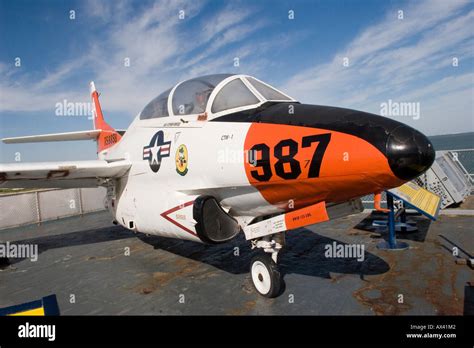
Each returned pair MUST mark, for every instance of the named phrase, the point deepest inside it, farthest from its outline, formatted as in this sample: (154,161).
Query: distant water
(453,141)
(457,142)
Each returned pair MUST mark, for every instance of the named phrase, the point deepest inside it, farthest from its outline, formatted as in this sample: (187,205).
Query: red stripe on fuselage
(172,210)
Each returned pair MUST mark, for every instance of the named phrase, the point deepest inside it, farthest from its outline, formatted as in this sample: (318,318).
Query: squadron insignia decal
(181,160)
(156,151)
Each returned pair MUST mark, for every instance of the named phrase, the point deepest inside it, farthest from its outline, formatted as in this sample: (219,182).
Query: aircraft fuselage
(259,162)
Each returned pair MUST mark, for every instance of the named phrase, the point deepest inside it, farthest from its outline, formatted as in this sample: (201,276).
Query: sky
(355,54)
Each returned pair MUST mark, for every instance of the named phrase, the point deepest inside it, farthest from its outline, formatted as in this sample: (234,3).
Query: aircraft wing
(68,136)
(81,135)
(60,174)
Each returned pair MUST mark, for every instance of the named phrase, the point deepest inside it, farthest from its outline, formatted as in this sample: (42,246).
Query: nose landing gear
(265,273)
(266,276)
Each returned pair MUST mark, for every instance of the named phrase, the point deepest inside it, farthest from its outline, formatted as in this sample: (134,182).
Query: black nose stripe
(408,152)
(372,128)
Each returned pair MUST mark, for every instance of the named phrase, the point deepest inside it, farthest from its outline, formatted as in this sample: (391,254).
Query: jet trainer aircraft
(224,154)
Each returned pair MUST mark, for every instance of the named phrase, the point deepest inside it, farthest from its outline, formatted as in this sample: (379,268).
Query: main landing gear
(266,276)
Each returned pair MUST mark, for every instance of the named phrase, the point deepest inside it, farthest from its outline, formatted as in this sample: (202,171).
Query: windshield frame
(215,92)
(251,88)
(221,86)
(290,99)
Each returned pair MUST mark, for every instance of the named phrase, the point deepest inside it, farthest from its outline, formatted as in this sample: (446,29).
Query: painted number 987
(263,164)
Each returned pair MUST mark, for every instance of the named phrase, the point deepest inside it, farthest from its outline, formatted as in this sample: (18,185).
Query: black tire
(266,277)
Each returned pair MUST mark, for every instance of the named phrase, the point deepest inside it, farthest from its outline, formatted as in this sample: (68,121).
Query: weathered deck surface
(85,256)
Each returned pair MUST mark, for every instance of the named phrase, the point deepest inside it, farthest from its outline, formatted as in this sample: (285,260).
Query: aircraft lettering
(290,147)
(110,139)
(227,136)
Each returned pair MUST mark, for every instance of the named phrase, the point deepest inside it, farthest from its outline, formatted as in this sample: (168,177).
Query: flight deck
(96,268)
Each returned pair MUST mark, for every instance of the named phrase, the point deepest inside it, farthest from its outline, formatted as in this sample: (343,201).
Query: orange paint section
(377,203)
(306,216)
(108,137)
(350,167)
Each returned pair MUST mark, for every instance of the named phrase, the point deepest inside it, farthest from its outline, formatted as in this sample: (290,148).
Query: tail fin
(108,136)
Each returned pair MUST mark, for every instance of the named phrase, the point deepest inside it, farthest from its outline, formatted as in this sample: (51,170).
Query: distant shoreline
(451,135)
(453,141)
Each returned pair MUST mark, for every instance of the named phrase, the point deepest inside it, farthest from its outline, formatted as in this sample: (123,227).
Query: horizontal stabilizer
(81,135)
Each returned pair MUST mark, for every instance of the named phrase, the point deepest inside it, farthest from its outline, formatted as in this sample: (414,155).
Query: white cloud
(407,60)
(161,48)
(401,59)
(233,14)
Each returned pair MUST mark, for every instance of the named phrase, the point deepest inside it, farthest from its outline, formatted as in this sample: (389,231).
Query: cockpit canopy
(214,95)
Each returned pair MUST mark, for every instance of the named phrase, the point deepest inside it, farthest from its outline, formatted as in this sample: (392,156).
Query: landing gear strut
(266,276)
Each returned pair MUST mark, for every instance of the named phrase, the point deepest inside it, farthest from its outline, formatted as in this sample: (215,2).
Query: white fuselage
(215,167)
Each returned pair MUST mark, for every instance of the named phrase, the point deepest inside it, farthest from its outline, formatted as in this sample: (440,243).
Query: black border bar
(241,330)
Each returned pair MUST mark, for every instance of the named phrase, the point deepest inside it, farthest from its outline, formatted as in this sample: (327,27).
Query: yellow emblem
(181,159)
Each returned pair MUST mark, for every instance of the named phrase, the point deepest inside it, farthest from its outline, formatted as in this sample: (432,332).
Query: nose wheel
(266,277)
